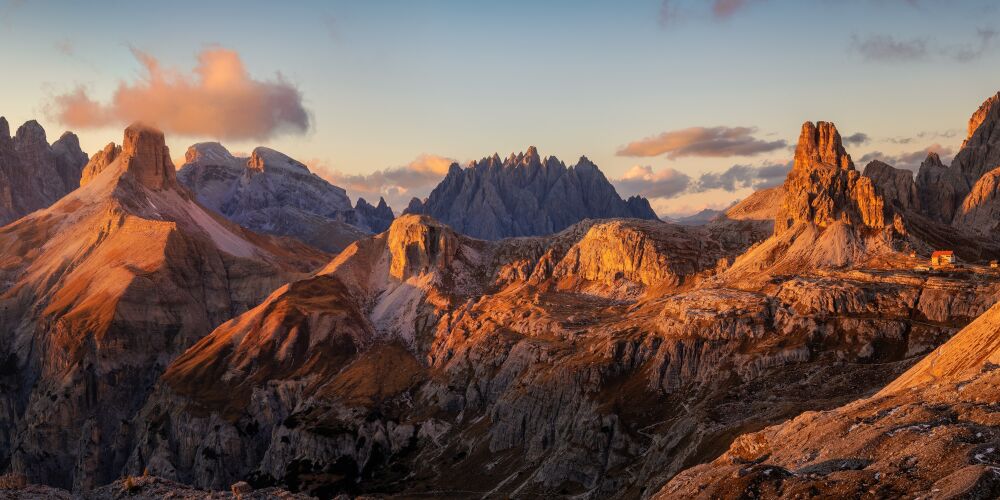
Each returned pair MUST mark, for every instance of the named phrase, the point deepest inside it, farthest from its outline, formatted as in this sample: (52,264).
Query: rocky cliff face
(932,430)
(378,218)
(896,186)
(830,216)
(99,292)
(944,190)
(525,195)
(274,194)
(599,361)
(34,174)
(823,187)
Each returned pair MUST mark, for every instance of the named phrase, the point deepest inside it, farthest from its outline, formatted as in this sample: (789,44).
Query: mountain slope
(932,432)
(34,174)
(100,291)
(525,195)
(274,194)
(830,215)
(600,361)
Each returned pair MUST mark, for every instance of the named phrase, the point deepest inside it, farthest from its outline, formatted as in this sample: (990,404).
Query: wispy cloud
(397,184)
(744,176)
(219,99)
(726,8)
(857,139)
(673,12)
(671,183)
(973,50)
(642,180)
(910,160)
(702,141)
(887,48)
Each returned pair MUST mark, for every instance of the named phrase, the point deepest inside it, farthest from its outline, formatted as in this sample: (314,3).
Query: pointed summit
(268,159)
(824,188)
(4,129)
(29,136)
(524,197)
(987,109)
(147,158)
(820,144)
(99,162)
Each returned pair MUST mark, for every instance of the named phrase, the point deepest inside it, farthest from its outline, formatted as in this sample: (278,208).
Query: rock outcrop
(146,158)
(575,359)
(99,292)
(378,218)
(830,216)
(274,194)
(932,431)
(943,190)
(823,187)
(99,162)
(980,212)
(896,186)
(34,174)
(525,195)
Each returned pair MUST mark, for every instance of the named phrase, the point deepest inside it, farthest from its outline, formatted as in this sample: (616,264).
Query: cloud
(65,47)
(726,8)
(910,160)
(857,139)
(702,141)
(885,48)
(397,185)
(332,27)
(219,99)
(671,12)
(671,183)
(743,176)
(642,180)
(924,135)
(974,50)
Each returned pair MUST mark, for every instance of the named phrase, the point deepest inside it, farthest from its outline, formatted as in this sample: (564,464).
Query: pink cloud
(218,99)
(397,185)
(713,142)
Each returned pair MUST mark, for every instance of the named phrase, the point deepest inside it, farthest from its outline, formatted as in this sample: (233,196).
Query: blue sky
(392,86)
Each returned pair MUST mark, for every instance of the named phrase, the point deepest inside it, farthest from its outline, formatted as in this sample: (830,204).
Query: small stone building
(942,258)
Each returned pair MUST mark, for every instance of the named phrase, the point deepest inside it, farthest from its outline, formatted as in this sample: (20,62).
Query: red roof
(939,253)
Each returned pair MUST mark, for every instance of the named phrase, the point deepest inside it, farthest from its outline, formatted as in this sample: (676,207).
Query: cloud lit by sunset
(218,99)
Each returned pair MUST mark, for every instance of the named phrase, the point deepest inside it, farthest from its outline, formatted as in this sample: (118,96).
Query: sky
(692,103)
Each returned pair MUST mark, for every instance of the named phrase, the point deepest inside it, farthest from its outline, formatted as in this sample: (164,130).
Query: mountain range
(33,173)
(795,345)
(274,194)
(525,195)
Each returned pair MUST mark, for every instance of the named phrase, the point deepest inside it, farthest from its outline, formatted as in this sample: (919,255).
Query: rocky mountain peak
(820,144)
(524,196)
(68,140)
(99,162)
(895,184)
(4,128)
(147,158)
(266,159)
(986,110)
(419,244)
(585,165)
(30,134)
(824,188)
(211,152)
(378,218)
